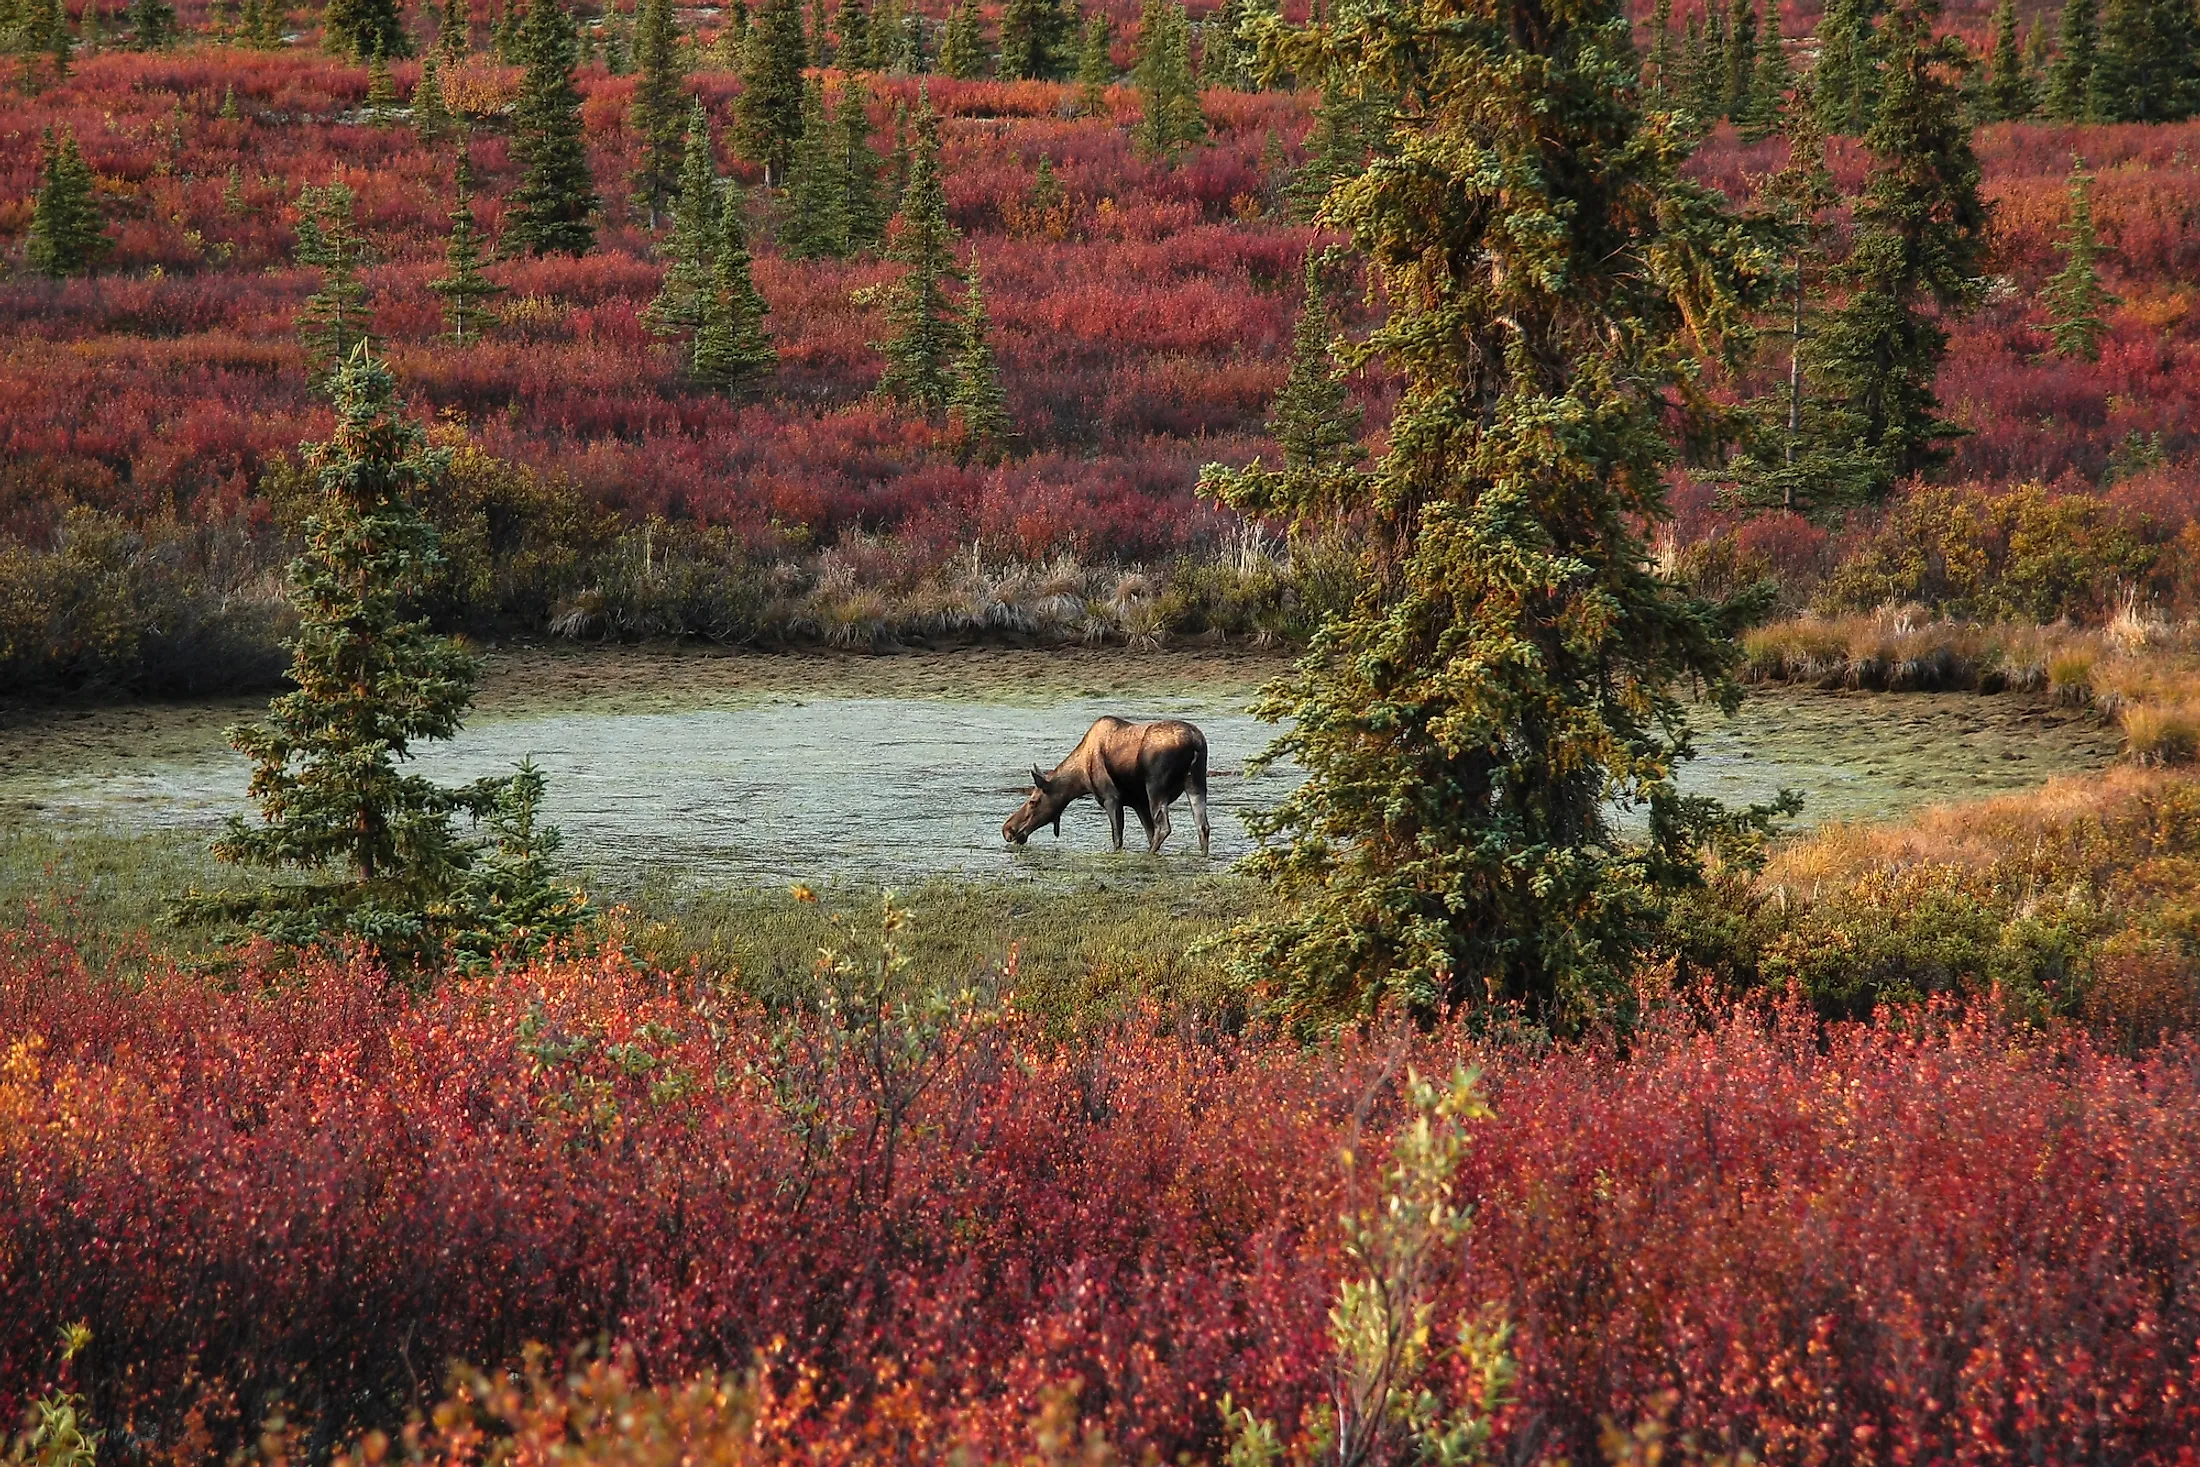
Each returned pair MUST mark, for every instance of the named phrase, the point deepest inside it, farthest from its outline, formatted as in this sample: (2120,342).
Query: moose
(1142,766)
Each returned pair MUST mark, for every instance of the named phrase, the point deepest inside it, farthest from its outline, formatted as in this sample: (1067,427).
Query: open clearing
(748,768)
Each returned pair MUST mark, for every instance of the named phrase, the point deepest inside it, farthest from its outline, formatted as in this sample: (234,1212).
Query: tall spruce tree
(1847,73)
(152,28)
(820,36)
(66,235)
(977,408)
(1313,419)
(862,206)
(333,321)
(553,209)
(922,332)
(962,43)
(2148,67)
(852,35)
(357,29)
(1705,86)
(1348,127)
(691,253)
(768,113)
(1739,61)
(381,108)
(431,117)
(1660,78)
(1095,63)
(815,226)
(1172,119)
(2070,80)
(732,353)
(2007,94)
(1768,89)
(1037,37)
(1507,677)
(1920,241)
(2075,296)
(657,114)
(383,863)
(465,290)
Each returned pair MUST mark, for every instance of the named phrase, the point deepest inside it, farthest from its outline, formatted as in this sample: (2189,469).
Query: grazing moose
(1144,766)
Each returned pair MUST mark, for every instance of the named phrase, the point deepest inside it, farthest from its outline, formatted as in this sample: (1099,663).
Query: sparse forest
(524,524)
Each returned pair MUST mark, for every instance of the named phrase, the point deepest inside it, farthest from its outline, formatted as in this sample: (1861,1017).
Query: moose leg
(1152,843)
(1199,815)
(1114,808)
(1158,828)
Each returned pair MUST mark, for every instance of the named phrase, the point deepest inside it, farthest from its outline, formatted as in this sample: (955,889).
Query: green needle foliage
(732,352)
(2075,296)
(1505,682)
(1037,38)
(553,210)
(1172,120)
(657,115)
(1659,78)
(431,118)
(357,29)
(816,224)
(863,205)
(1846,76)
(852,35)
(465,290)
(2008,94)
(962,42)
(384,864)
(67,236)
(769,109)
(1769,88)
(977,410)
(2148,69)
(1095,63)
(333,322)
(1314,421)
(2070,79)
(922,332)
(381,91)
(1920,243)
(152,28)
(1739,61)
(692,251)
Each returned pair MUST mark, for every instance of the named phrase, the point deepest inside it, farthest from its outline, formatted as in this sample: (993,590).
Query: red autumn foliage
(1933,1240)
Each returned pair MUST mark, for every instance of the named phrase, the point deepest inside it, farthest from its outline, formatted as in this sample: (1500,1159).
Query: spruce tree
(816,222)
(2008,92)
(2075,297)
(922,332)
(381,105)
(977,408)
(1800,453)
(1508,677)
(378,848)
(962,43)
(504,34)
(152,26)
(657,115)
(1848,64)
(1095,63)
(1739,61)
(431,119)
(1036,40)
(820,39)
(1660,79)
(1172,119)
(852,35)
(553,209)
(2070,79)
(1313,419)
(732,351)
(1920,241)
(1706,74)
(1769,88)
(465,290)
(454,32)
(2038,58)
(67,236)
(769,111)
(2148,66)
(1348,127)
(356,29)
(333,321)
(862,207)
(692,251)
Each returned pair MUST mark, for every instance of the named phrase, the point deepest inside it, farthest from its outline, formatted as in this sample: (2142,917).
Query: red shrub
(1928,1242)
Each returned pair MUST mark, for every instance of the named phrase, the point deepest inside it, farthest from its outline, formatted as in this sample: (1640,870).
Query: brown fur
(1138,766)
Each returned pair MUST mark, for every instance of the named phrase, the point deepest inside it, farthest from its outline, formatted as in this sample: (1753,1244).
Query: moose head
(1043,806)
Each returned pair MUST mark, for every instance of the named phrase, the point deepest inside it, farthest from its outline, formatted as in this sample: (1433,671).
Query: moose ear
(1038,780)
